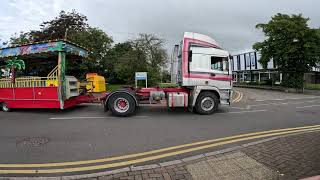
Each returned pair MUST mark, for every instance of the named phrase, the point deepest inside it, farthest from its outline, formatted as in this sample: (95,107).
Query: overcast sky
(230,22)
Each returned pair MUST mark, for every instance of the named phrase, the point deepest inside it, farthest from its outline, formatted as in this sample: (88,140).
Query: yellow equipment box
(52,83)
(96,83)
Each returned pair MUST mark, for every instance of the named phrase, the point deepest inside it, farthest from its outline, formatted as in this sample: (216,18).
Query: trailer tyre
(5,107)
(207,103)
(122,104)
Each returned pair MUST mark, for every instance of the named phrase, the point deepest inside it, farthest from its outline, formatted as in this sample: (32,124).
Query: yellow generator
(96,83)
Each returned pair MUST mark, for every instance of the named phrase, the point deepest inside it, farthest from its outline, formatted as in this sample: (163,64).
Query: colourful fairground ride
(43,82)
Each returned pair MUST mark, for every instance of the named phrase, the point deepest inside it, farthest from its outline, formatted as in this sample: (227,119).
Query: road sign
(141,76)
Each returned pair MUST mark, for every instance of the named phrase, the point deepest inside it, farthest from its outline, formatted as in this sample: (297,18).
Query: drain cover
(33,141)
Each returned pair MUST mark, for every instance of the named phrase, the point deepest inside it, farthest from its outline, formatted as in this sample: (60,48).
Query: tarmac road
(86,132)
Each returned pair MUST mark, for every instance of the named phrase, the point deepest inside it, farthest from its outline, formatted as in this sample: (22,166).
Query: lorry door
(209,60)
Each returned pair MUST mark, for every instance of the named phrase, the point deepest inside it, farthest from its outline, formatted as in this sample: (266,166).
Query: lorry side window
(217,63)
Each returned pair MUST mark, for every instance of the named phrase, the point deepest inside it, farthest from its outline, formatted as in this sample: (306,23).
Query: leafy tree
(13,65)
(74,27)
(293,46)
(98,44)
(155,55)
(21,38)
(115,59)
(145,53)
(61,27)
(118,63)
(2,43)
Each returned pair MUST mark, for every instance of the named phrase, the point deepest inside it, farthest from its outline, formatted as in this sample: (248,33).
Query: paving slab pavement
(287,157)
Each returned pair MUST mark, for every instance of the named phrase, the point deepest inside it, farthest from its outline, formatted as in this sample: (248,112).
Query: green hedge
(312,86)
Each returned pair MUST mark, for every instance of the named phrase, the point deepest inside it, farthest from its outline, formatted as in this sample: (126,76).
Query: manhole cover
(33,141)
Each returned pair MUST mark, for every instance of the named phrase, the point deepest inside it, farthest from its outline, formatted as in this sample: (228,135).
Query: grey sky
(230,22)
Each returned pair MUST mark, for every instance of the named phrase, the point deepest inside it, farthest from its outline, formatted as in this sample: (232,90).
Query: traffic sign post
(141,76)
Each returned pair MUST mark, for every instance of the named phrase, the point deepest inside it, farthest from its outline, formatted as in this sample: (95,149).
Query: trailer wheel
(5,107)
(122,104)
(207,103)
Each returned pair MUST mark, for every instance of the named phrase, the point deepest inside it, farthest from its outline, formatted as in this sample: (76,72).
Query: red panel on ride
(6,93)
(46,93)
(33,104)
(23,93)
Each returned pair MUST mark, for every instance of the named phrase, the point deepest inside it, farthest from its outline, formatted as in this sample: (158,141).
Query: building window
(232,61)
(253,59)
(247,56)
(238,63)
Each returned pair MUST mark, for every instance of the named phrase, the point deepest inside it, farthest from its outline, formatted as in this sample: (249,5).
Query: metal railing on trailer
(32,81)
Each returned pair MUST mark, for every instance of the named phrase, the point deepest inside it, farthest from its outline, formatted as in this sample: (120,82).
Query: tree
(118,63)
(72,26)
(145,53)
(115,63)
(13,65)
(21,38)
(2,43)
(98,44)
(293,46)
(61,27)
(154,53)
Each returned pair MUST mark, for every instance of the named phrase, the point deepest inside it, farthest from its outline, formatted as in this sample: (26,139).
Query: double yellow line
(131,159)
(239,96)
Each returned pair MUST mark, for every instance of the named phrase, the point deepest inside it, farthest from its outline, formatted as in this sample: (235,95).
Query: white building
(246,68)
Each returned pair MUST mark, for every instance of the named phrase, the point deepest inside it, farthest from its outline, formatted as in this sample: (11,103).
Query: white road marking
(92,104)
(238,108)
(60,118)
(253,111)
(284,103)
(261,100)
(316,105)
(106,117)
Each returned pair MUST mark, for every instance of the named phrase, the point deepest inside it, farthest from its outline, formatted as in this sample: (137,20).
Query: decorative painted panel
(45,47)
(72,49)
(30,49)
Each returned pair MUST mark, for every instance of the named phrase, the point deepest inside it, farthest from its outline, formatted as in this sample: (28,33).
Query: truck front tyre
(207,103)
(122,104)
(4,107)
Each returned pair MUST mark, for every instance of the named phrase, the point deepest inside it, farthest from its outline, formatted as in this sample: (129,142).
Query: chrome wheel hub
(207,104)
(121,105)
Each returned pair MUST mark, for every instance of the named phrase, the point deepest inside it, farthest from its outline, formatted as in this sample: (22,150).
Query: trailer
(43,83)
(203,74)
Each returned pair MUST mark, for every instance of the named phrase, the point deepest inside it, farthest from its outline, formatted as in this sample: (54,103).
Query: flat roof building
(246,68)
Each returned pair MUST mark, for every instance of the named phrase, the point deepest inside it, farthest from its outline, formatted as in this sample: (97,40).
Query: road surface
(86,132)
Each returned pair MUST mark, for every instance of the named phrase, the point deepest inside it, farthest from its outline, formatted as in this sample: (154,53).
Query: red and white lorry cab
(203,75)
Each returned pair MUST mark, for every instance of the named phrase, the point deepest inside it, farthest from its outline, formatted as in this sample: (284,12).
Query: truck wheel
(122,104)
(207,103)
(5,107)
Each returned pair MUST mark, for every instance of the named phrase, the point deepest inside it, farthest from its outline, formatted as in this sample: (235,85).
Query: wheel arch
(199,90)
(212,91)
(131,93)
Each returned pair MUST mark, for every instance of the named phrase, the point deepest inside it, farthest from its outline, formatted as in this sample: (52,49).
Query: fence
(31,81)
(312,80)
